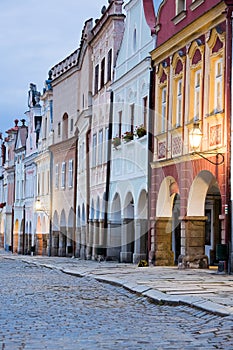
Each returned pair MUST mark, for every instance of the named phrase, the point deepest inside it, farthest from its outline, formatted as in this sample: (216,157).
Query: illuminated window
(218,99)
(164,109)
(197,95)
(179,103)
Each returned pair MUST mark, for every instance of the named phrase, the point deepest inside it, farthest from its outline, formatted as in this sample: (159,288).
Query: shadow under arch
(168,229)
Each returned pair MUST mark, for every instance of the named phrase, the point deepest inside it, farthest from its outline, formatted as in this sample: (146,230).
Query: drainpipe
(108,174)
(228,109)
(150,149)
(75,193)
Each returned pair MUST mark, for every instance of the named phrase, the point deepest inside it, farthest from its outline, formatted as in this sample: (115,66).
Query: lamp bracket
(219,157)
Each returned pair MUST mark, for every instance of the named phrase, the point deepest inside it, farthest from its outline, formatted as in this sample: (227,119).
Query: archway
(62,235)
(127,232)
(114,235)
(55,234)
(168,241)
(141,229)
(203,229)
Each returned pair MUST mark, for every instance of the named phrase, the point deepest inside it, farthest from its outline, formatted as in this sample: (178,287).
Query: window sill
(178,18)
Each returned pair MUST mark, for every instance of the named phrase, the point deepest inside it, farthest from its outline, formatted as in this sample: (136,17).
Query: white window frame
(218,98)
(63,175)
(100,147)
(56,176)
(197,95)
(164,109)
(94,148)
(179,103)
(70,175)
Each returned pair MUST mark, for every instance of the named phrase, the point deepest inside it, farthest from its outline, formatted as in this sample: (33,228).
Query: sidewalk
(203,289)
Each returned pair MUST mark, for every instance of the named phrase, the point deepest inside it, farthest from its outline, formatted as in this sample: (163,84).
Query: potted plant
(116,141)
(140,131)
(128,136)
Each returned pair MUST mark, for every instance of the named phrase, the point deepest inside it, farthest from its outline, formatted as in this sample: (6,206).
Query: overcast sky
(34,36)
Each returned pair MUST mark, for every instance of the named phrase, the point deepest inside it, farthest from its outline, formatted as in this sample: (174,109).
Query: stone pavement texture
(206,289)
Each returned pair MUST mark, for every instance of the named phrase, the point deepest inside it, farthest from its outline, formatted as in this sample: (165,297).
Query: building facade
(107,37)
(128,212)
(189,192)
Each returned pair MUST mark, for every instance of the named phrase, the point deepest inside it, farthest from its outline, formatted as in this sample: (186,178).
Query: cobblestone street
(46,309)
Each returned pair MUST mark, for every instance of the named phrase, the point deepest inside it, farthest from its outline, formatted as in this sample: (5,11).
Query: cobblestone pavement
(44,308)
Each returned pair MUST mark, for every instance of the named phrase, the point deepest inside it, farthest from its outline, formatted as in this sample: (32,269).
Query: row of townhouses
(126,153)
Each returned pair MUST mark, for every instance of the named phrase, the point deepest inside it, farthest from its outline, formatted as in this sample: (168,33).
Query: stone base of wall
(126,257)
(164,255)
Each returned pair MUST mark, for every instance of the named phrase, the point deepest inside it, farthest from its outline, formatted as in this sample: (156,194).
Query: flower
(116,141)
(140,131)
(128,136)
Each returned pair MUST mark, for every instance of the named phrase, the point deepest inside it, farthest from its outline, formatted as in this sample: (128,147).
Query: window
(102,75)
(106,143)
(180,6)
(164,109)
(218,86)
(179,103)
(94,144)
(119,123)
(197,95)
(59,129)
(96,79)
(132,118)
(100,147)
(135,40)
(65,127)
(70,179)
(63,175)
(109,64)
(45,127)
(145,102)
(56,176)
(71,124)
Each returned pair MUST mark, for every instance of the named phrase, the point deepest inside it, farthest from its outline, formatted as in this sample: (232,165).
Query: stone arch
(166,197)
(202,224)
(62,234)
(197,194)
(142,205)
(114,234)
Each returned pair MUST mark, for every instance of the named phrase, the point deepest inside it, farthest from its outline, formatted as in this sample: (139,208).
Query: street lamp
(195,137)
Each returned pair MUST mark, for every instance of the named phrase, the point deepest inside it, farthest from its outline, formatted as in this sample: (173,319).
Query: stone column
(164,255)
(83,243)
(77,242)
(195,241)
(95,239)
(90,240)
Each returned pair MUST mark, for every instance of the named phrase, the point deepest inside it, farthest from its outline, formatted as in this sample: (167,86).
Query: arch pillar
(164,256)
(194,240)
(127,239)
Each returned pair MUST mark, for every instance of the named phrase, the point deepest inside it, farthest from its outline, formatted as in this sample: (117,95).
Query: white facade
(127,237)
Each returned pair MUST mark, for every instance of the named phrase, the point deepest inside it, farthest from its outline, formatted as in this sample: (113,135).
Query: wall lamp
(195,137)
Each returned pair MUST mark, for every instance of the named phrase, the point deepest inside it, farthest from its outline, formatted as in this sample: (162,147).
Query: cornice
(197,28)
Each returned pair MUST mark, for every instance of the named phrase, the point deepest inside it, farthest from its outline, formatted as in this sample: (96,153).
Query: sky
(34,36)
